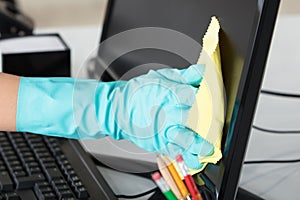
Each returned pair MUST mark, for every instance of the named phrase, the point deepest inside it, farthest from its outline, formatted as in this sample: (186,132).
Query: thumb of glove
(193,75)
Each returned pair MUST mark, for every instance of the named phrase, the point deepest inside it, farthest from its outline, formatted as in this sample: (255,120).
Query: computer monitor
(143,34)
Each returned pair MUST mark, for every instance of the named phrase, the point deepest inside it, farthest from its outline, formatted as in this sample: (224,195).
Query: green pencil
(163,186)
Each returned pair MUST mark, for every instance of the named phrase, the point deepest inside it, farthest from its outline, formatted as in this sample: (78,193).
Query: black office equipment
(245,37)
(12,21)
(39,167)
(41,55)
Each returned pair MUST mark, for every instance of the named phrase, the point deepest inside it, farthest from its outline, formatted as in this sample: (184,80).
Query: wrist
(41,104)
(9,85)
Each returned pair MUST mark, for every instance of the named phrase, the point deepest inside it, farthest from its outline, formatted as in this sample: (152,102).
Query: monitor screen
(132,44)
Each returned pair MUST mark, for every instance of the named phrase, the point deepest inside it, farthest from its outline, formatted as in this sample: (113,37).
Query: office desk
(270,181)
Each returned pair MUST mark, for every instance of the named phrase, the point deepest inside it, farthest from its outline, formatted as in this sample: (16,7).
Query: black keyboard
(39,167)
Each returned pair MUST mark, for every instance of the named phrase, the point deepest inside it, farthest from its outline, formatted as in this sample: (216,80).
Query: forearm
(9,86)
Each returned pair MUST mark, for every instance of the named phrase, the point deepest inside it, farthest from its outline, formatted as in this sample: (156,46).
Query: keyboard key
(44,155)
(67,167)
(14,134)
(34,170)
(32,164)
(24,149)
(64,194)
(42,188)
(42,184)
(19,140)
(70,174)
(77,184)
(45,189)
(21,145)
(81,192)
(64,162)
(6,149)
(36,140)
(5,144)
(61,157)
(47,160)
(12,196)
(49,196)
(52,173)
(26,154)
(6,184)
(37,145)
(17,168)
(8,153)
(58,181)
(28,182)
(11,157)
(29,159)
(41,149)
(74,178)
(53,140)
(50,165)
(3,138)
(19,173)
(14,163)
(62,187)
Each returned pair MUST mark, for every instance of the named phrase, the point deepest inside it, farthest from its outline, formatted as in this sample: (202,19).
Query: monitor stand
(243,194)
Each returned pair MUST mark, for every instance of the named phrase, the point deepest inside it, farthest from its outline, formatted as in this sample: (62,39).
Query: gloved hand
(149,110)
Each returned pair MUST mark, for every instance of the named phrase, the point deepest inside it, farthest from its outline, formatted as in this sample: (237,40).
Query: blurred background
(49,13)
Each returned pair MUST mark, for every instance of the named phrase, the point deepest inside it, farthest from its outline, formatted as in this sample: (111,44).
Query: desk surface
(270,181)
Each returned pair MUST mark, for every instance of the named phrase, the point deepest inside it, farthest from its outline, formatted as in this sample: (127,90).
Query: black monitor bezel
(249,89)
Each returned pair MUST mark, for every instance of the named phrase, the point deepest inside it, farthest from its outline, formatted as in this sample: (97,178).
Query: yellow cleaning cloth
(207,115)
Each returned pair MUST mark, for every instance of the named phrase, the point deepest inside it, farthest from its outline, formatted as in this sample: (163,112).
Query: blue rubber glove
(149,110)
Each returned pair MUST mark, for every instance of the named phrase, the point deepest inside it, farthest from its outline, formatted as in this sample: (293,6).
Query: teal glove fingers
(191,145)
(192,75)
(189,141)
(192,161)
(153,108)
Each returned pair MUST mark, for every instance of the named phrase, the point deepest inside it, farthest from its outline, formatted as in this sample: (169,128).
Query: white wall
(47,13)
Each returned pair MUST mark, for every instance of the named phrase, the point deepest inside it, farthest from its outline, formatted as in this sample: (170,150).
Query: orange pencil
(181,186)
(168,177)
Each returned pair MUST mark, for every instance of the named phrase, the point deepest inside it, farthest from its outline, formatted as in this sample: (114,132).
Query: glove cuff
(63,107)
